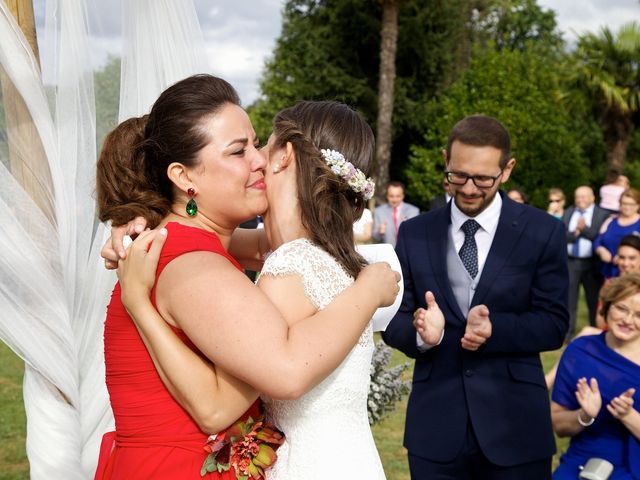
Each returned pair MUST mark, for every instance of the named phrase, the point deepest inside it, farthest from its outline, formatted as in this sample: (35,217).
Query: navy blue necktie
(469,251)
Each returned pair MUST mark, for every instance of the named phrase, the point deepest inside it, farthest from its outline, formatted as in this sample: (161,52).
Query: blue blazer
(500,388)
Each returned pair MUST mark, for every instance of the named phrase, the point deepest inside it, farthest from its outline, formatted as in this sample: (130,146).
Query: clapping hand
(429,323)
(589,398)
(622,405)
(478,328)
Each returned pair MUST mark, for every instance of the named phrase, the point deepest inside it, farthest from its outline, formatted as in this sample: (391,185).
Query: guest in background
(442,199)
(363,227)
(556,203)
(610,192)
(517,196)
(628,261)
(598,377)
(582,223)
(612,231)
(388,217)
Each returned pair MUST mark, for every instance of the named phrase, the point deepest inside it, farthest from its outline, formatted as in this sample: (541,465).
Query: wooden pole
(23,12)
(26,153)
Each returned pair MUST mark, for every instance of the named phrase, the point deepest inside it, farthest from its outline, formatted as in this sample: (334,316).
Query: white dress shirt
(585,247)
(488,221)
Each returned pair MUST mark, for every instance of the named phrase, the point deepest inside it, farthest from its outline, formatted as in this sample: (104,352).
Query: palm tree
(386,85)
(607,69)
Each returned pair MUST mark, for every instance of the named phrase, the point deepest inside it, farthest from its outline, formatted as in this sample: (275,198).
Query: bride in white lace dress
(316,188)
(327,429)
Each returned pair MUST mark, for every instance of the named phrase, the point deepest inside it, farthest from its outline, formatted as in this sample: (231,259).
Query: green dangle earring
(192,206)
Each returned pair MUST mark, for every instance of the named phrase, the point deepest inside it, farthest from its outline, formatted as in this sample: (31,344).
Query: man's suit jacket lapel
(439,233)
(510,228)
(566,217)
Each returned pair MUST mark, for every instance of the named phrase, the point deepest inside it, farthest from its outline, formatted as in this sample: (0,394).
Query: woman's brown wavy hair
(328,205)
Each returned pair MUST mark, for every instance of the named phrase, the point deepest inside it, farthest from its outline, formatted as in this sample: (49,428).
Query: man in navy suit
(479,407)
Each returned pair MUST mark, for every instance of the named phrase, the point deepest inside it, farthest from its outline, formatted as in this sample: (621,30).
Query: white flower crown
(356,179)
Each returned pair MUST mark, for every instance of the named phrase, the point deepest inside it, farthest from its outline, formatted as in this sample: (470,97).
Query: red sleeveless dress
(155,437)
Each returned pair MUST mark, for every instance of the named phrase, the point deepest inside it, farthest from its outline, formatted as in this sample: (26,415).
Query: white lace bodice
(327,429)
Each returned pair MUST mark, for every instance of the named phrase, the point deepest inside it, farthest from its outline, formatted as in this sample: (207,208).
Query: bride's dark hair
(328,204)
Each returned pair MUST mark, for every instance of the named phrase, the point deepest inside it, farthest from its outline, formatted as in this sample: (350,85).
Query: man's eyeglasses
(480,181)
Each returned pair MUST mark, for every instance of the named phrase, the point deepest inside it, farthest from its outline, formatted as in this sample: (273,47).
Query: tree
(523,90)
(107,90)
(330,50)
(516,25)
(607,69)
(388,45)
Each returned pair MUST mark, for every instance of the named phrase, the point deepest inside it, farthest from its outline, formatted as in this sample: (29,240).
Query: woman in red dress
(197,152)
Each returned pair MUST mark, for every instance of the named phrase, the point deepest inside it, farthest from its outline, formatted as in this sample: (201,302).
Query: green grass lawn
(13,458)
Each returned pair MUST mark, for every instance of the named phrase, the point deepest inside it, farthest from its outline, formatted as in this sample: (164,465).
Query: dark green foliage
(107,90)
(330,50)
(522,89)
(517,25)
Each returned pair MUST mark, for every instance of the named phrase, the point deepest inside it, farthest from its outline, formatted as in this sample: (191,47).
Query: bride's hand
(382,281)
(113,249)
(137,272)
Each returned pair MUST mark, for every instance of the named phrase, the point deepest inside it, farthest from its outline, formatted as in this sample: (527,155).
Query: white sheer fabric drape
(163,44)
(53,287)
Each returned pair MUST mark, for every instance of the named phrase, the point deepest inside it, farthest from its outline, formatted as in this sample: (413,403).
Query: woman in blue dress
(596,385)
(627,222)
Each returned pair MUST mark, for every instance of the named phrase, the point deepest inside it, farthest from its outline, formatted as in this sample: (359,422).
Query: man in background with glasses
(479,407)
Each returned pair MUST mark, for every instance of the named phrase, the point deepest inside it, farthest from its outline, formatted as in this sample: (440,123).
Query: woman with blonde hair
(594,397)
(556,202)
(612,231)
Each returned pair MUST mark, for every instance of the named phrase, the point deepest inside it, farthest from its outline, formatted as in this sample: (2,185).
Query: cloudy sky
(240,34)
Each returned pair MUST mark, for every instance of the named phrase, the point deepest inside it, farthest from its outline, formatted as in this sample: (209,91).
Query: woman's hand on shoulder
(114,249)
(137,272)
(382,282)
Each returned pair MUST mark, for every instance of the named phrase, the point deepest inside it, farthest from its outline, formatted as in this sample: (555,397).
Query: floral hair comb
(356,179)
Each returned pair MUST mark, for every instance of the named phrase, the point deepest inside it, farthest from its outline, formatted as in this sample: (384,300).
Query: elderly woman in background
(556,203)
(593,397)
(627,222)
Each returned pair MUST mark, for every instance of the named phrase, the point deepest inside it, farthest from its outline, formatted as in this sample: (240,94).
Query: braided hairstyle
(328,205)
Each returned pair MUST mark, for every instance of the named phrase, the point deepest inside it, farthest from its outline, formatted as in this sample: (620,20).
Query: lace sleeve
(322,277)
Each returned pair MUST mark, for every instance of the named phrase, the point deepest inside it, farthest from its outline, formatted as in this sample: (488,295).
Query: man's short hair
(395,183)
(481,131)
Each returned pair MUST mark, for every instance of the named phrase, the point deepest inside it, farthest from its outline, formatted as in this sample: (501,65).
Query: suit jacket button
(468,372)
